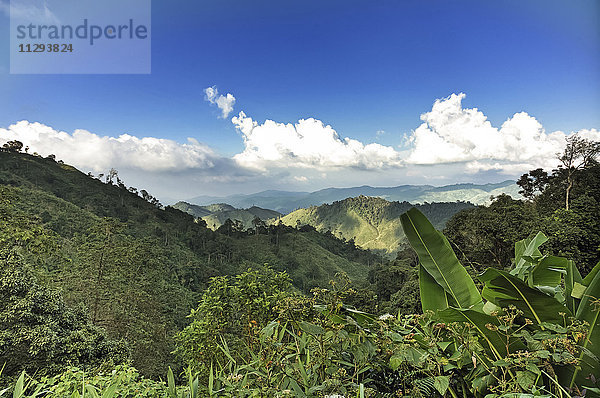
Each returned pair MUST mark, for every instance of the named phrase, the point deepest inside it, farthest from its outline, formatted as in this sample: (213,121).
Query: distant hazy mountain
(285,201)
(373,223)
(216,214)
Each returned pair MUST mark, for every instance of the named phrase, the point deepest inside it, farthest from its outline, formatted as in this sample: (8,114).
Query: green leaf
(589,311)
(444,344)
(412,355)
(441,384)
(395,362)
(490,307)
(211,380)
(433,296)
(482,383)
(504,289)
(578,290)
(311,328)
(171,384)
(363,319)
(572,278)
(494,342)
(533,368)
(19,390)
(589,277)
(525,379)
(548,271)
(527,248)
(439,260)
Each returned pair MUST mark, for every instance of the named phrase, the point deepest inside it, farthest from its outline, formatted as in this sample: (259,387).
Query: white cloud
(450,133)
(307,144)
(450,143)
(224,102)
(87,150)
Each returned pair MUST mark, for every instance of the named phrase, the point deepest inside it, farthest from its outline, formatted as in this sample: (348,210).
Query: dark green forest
(106,292)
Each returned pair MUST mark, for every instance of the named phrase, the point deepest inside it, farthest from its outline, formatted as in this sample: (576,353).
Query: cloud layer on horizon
(87,150)
(450,142)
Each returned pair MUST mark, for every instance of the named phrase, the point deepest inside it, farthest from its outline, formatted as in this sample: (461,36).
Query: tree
(259,225)
(145,194)
(112,174)
(231,228)
(12,146)
(533,183)
(578,154)
(232,309)
(39,333)
(485,235)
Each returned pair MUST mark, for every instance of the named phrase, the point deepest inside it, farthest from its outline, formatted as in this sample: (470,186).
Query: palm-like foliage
(547,290)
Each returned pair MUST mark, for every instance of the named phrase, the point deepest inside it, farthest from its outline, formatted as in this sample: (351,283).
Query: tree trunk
(569,186)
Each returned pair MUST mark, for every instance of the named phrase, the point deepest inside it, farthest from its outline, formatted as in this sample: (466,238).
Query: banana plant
(533,285)
(587,293)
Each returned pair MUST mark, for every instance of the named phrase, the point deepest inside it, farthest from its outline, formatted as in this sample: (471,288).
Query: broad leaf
(433,296)
(439,260)
(589,277)
(589,311)
(504,290)
(548,271)
(441,384)
(527,248)
(572,278)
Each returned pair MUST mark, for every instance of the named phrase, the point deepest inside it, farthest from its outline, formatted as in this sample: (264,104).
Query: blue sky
(358,66)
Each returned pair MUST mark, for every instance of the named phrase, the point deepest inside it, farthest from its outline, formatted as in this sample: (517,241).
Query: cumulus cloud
(450,133)
(309,143)
(224,102)
(87,150)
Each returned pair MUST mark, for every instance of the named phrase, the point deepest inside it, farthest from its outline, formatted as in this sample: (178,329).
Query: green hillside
(373,223)
(215,215)
(138,268)
(194,210)
(245,216)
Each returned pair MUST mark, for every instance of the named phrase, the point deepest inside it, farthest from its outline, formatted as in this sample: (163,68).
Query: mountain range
(288,201)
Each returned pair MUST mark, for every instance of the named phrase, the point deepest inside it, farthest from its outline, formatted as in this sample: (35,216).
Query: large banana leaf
(571,278)
(504,289)
(589,277)
(527,248)
(438,259)
(589,311)
(548,271)
(433,296)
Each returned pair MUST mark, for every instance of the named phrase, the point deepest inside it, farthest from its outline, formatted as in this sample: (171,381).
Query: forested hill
(215,215)
(373,223)
(134,267)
